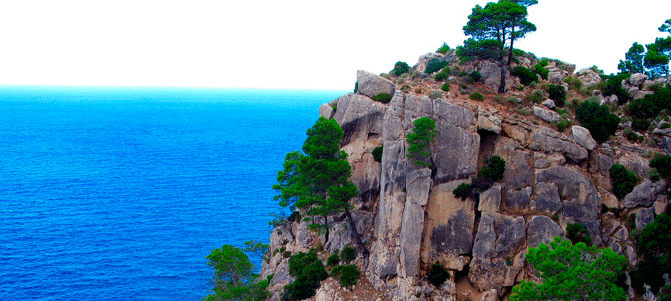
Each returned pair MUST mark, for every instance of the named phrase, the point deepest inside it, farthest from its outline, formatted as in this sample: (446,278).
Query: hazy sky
(283,44)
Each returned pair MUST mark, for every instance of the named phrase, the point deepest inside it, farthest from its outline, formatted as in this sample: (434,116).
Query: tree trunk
(356,235)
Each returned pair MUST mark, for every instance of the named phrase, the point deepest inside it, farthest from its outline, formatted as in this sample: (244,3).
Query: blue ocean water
(120,193)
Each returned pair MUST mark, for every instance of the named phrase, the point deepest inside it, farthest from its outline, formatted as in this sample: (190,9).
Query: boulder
(588,77)
(546,198)
(491,123)
(644,217)
(542,229)
(449,227)
(644,194)
(457,145)
(372,85)
(515,132)
(637,79)
(517,198)
(549,103)
(360,117)
(546,115)
(660,205)
(583,137)
(555,76)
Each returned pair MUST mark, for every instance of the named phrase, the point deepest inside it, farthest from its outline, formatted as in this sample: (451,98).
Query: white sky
(283,44)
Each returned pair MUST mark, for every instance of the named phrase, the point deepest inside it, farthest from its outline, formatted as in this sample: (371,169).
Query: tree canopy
(493,28)
(317,180)
(633,62)
(234,278)
(572,272)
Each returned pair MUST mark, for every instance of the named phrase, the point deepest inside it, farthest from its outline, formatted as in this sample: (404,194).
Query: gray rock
(644,217)
(583,137)
(550,104)
(326,111)
(456,146)
(644,194)
(638,165)
(518,173)
(423,60)
(372,85)
(490,295)
(490,200)
(491,123)
(582,200)
(418,182)
(546,115)
(542,229)
(411,238)
(542,141)
(641,94)
(546,198)
(359,117)
(588,77)
(541,163)
(518,198)
(555,76)
(498,251)
(637,79)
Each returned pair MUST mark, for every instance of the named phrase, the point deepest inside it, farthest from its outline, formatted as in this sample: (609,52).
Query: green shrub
(633,136)
(443,74)
(493,169)
(578,233)
(540,70)
(558,94)
(642,110)
(614,86)
(377,153)
(443,49)
(573,83)
(348,254)
(563,124)
(600,122)
(309,272)
(650,271)
(437,274)
(463,190)
(400,68)
(477,96)
(445,87)
(434,65)
(544,62)
(654,243)
(537,96)
(663,165)
(655,238)
(382,97)
(423,133)
(475,75)
(333,260)
(640,124)
(348,275)
(526,76)
(623,180)
(654,175)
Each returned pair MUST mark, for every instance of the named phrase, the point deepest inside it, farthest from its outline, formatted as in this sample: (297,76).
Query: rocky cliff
(409,216)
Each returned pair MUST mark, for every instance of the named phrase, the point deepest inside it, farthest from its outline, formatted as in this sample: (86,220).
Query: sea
(111,193)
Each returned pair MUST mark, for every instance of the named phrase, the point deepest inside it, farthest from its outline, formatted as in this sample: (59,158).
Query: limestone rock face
(490,200)
(637,79)
(583,137)
(491,123)
(542,229)
(498,251)
(548,140)
(326,111)
(546,198)
(546,115)
(644,217)
(372,85)
(644,194)
(549,103)
(449,228)
(580,199)
(456,145)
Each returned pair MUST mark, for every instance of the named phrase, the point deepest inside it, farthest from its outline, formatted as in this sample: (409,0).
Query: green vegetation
(333,260)
(558,94)
(614,86)
(663,165)
(633,62)
(491,171)
(437,274)
(623,180)
(563,124)
(572,272)
(317,182)
(477,96)
(475,75)
(445,87)
(654,62)
(377,153)
(643,109)
(309,272)
(443,49)
(233,276)
(434,65)
(540,70)
(492,28)
(526,76)
(600,122)
(578,233)
(348,275)
(654,243)
(348,254)
(444,74)
(423,133)
(400,68)
(382,97)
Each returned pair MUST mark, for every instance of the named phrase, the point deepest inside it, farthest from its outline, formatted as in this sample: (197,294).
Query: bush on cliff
(421,138)
(622,180)
(234,278)
(434,65)
(558,94)
(400,68)
(526,76)
(600,122)
(309,272)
